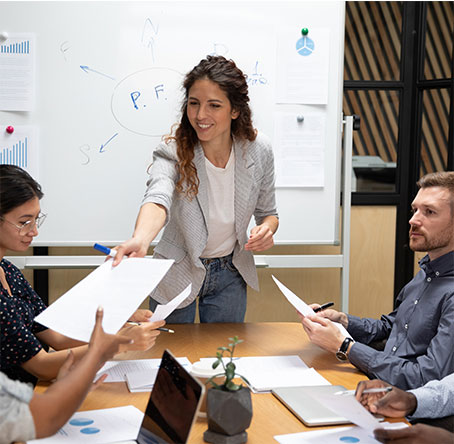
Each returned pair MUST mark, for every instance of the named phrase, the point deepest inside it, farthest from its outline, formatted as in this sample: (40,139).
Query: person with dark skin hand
(432,400)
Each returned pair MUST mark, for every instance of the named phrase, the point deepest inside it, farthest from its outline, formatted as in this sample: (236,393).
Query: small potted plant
(229,405)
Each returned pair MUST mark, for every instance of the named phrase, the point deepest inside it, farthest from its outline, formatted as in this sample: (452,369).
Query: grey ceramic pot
(229,413)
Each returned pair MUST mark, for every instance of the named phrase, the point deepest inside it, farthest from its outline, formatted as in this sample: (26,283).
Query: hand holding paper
(119,290)
(302,307)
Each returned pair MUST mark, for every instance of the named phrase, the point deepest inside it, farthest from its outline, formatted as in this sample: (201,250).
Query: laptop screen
(173,405)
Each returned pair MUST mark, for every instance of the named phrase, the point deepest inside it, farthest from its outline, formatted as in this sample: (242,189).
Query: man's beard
(441,240)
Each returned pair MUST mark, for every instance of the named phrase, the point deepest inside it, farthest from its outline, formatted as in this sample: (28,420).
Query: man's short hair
(444,179)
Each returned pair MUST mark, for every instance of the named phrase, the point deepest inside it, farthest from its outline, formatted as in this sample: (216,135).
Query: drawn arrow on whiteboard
(87,69)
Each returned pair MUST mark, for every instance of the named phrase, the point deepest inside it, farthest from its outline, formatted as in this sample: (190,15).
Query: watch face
(341,356)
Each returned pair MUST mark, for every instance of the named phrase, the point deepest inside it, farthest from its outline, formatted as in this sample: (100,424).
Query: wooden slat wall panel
(379,111)
(372,40)
(372,52)
(439,39)
(434,134)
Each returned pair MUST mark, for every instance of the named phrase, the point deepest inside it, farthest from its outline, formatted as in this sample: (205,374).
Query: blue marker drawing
(158,89)
(305,46)
(101,149)
(256,78)
(81,421)
(148,33)
(90,430)
(349,439)
(65,46)
(87,69)
(134,96)
(84,150)
(219,49)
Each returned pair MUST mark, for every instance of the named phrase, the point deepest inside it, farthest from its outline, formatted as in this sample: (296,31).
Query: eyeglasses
(29,225)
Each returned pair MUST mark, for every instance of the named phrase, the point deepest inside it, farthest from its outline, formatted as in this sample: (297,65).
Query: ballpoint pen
(323,306)
(371,390)
(167,330)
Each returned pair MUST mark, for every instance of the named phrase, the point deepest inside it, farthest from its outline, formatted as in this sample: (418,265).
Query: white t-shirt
(16,421)
(221,220)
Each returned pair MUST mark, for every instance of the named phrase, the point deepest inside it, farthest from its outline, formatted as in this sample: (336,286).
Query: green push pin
(305,31)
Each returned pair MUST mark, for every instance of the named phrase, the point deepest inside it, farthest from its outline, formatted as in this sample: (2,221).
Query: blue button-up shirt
(435,399)
(419,332)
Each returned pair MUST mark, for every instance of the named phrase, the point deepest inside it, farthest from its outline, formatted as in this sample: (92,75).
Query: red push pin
(10,129)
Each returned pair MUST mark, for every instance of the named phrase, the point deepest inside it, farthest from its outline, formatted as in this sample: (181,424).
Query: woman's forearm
(45,366)
(149,222)
(52,409)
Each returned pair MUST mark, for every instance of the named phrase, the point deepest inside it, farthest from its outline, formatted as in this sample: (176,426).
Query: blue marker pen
(105,250)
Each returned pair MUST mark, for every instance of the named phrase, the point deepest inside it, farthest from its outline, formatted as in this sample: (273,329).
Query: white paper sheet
(98,427)
(347,406)
(141,381)
(302,66)
(17,71)
(116,370)
(302,307)
(21,148)
(298,303)
(267,372)
(119,290)
(300,150)
(334,436)
(162,311)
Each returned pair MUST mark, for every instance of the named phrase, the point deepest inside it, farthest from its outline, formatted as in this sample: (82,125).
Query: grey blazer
(185,234)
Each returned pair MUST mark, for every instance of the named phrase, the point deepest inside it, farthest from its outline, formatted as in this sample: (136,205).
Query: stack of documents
(267,372)
(139,374)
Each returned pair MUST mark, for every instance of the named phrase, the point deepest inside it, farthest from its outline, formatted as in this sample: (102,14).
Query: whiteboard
(108,86)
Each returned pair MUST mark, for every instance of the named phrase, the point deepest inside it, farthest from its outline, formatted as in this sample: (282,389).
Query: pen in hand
(105,250)
(322,307)
(167,330)
(371,390)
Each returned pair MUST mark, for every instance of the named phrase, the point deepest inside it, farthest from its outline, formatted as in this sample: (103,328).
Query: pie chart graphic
(305,46)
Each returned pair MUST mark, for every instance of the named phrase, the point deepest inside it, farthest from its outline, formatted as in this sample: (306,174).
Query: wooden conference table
(196,341)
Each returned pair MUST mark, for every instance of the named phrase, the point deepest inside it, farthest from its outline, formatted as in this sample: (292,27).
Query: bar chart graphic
(16,155)
(16,48)
(21,148)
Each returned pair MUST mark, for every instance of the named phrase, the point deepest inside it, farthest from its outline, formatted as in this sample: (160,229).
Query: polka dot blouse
(18,341)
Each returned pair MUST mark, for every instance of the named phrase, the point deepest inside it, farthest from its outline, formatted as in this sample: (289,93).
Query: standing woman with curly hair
(206,182)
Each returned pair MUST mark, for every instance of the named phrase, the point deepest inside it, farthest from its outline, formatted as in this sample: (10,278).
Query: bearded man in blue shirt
(419,333)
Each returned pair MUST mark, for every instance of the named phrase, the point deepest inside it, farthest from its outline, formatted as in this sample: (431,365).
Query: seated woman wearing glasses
(22,355)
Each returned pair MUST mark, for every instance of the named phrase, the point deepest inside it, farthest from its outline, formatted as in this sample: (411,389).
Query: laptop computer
(303,403)
(172,407)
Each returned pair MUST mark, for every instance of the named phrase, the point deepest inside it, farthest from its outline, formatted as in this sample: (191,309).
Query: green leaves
(229,368)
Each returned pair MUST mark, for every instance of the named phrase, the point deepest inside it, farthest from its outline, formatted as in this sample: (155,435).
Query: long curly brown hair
(233,82)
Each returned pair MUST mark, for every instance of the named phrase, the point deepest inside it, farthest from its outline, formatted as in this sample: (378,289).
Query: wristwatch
(341,354)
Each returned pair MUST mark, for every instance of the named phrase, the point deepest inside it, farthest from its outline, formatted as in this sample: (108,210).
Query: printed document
(116,370)
(334,436)
(98,427)
(302,307)
(18,72)
(119,290)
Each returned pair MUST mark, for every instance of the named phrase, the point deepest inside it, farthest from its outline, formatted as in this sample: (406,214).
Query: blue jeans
(222,297)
